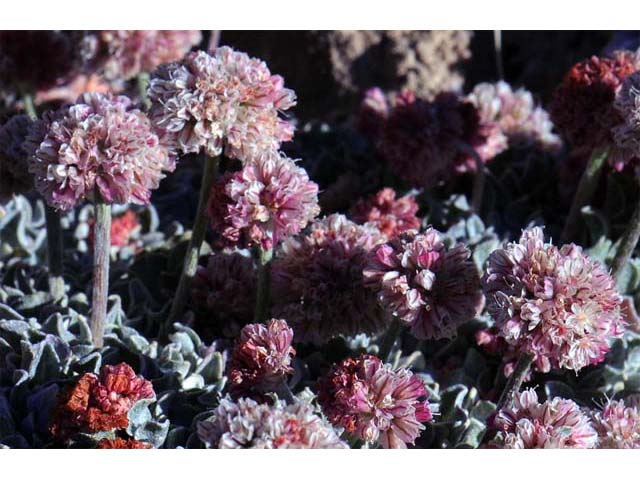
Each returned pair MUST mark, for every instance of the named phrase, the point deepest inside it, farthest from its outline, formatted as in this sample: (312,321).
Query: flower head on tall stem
(14,173)
(389,215)
(618,424)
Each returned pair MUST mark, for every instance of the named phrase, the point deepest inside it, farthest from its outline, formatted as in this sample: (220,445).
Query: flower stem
(54,252)
(143,82)
(497,46)
(628,242)
(586,188)
(101,249)
(389,339)
(515,380)
(195,243)
(263,295)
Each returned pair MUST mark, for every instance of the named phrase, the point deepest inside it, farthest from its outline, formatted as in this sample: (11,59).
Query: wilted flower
(318,285)
(431,288)
(123,227)
(556,423)
(261,358)
(521,121)
(97,145)
(555,304)
(248,424)
(618,425)
(375,403)
(99,403)
(14,174)
(270,199)
(123,54)
(392,217)
(107,443)
(227,101)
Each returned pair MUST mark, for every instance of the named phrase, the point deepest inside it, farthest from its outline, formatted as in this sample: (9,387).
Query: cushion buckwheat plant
(555,304)
(375,403)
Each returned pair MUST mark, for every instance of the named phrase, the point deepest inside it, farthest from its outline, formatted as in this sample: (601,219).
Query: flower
(521,121)
(618,425)
(626,135)
(392,217)
(375,403)
(261,359)
(431,288)
(428,142)
(317,281)
(248,424)
(123,54)
(227,101)
(123,227)
(270,199)
(555,304)
(14,174)
(107,443)
(582,107)
(373,113)
(99,403)
(97,145)
(556,423)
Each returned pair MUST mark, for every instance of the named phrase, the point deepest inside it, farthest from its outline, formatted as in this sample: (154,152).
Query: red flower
(122,228)
(106,443)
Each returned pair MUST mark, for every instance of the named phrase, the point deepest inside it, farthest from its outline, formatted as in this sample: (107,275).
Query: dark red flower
(106,443)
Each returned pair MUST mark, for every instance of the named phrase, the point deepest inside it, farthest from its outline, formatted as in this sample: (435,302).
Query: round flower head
(431,288)
(14,174)
(626,135)
(375,403)
(97,145)
(123,54)
(555,304)
(248,424)
(261,358)
(227,101)
(582,107)
(618,425)
(556,423)
(318,285)
(270,199)
(392,217)
(521,121)
(428,142)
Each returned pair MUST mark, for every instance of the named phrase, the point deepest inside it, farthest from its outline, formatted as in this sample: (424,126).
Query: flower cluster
(555,304)
(431,288)
(99,145)
(521,121)
(389,215)
(248,424)
(618,425)
(14,174)
(121,443)
(270,199)
(318,285)
(227,101)
(626,135)
(261,358)
(556,423)
(375,403)
(99,403)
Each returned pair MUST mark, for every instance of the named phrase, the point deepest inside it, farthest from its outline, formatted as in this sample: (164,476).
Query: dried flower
(556,423)
(375,403)
(227,101)
(261,358)
(270,199)
(107,443)
(392,217)
(98,145)
(556,304)
(123,227)
(248,424)
(99,403)
(318,285)
(14,175)
(431,288)
(618,425)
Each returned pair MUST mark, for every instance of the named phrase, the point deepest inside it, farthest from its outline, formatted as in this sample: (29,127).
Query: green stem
(195,243)
(54,252)
(390,336)
(29,107)
(143,83)
(586,188)
(628,242)
(101,256)
(263,295)
(515,380)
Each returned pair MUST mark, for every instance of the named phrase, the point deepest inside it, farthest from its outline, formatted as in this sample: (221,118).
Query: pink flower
(556,423)
(269,200)
(375,403)
(392,217)
(555,304)
(227,101)
(248,424)
(14,175)
(431,288)
(318,285)
(618,425)
(119,388)
(261,359)
(97,145)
